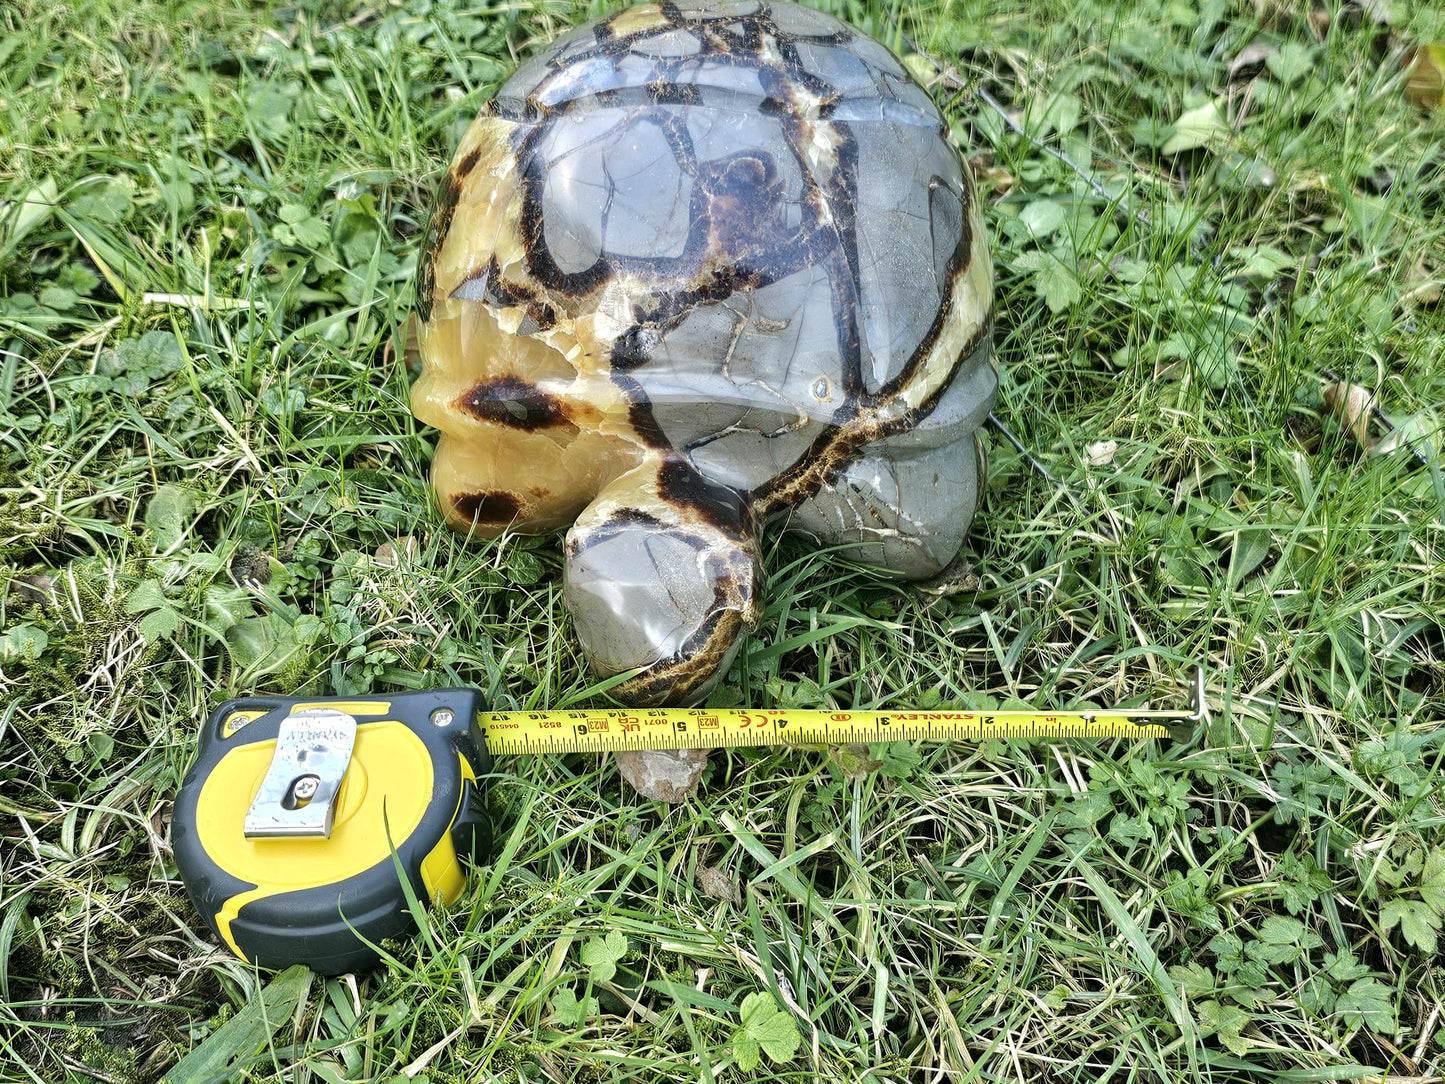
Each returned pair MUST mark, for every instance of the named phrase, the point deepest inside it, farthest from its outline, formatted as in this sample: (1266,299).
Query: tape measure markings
(598,731)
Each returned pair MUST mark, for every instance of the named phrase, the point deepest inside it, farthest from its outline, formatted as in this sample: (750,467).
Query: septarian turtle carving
(698,266)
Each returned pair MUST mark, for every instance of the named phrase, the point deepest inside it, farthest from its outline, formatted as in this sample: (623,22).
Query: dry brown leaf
(717,884)
(1251,58)
(1352,406)
(34,589)
(386,555)
(991,179)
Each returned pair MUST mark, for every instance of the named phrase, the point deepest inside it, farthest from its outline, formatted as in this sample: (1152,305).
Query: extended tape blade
(601,730)
(608,730)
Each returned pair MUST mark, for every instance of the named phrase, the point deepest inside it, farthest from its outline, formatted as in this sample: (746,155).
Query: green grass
(206,244)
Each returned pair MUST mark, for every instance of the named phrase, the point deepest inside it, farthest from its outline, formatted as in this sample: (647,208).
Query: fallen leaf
(1352,406)
(387,554)
(1425,76)
(1378,12)
(717,884)
(34,589)
(1419,433)
(1423,285)
(1355,408)
(1196,128)
(664,775)
(1250,60)
(1101,453)
(991,179)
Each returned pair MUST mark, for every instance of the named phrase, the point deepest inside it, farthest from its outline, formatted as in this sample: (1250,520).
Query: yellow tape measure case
(285,826)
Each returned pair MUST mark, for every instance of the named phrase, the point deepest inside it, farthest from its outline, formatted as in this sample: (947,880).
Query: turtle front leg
(663,572)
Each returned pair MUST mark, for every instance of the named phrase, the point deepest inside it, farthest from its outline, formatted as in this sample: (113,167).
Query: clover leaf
(600,955)
(765,1029)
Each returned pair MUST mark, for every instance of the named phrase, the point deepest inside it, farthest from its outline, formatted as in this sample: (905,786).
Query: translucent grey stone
(744,228)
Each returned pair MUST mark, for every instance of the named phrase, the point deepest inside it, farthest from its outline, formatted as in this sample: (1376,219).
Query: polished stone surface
(698,267)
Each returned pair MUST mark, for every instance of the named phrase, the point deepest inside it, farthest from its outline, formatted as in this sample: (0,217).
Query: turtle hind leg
(900,507)
(663,572)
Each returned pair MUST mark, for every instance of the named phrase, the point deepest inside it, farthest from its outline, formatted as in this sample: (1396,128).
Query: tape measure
(295,827)
(606,730)
(302,819)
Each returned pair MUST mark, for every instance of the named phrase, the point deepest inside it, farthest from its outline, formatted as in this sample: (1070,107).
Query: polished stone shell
(695,267)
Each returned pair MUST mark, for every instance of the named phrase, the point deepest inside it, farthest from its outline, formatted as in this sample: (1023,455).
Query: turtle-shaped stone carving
(697,267)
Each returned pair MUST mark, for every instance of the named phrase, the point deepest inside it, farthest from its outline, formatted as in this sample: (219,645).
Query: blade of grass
(242,1036)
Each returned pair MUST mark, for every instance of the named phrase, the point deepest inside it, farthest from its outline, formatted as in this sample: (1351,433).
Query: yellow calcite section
(548,474)
(638,17)
(484,223)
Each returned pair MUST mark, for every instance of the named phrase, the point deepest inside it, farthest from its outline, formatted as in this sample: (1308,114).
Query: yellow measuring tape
(297,815)
(599,730)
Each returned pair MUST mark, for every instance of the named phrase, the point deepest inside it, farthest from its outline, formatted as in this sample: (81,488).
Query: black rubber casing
(334,928)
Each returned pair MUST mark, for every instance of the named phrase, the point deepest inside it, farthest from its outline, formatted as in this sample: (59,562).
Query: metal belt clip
(1196,700)
(297,797)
